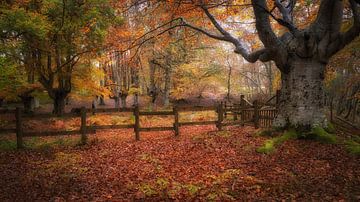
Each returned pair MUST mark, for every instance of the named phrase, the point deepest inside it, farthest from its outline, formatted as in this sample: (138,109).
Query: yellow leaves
(277,81)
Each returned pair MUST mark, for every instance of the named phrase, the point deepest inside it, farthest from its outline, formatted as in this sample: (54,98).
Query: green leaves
(11,79)
(18,21)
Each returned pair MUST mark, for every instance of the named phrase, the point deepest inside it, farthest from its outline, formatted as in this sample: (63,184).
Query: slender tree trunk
(101,100)
(117,103)
(123,101)
(167,85)
(302,96)
(229,83)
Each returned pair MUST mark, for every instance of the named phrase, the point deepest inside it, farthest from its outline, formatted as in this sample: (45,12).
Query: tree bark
(123,101)
(116,101)
(29,103)
(59,104)
(101,100)
(302,95)
(167,85)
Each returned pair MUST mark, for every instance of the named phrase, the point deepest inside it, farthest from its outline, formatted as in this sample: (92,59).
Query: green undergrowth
(353,145)
(271,144)
(317,133)
(330,128)
(6,145)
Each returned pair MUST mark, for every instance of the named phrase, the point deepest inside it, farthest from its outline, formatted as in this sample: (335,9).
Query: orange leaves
(199,165)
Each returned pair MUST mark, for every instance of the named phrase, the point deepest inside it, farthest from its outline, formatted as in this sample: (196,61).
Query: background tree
(58,34)
(301,46)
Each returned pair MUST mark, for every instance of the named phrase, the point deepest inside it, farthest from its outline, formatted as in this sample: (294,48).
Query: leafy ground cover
(202,164)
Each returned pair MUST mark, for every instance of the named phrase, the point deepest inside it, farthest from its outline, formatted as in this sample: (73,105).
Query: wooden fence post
(278,93)
(176,124)
(220,112)
(83,126)
(19,132)
(235,115)
(93,107)
(137,123)
(242,112)
(225,111)
(331,110)
(256,114)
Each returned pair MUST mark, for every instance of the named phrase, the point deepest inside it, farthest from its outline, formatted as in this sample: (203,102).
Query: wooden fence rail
(243,113)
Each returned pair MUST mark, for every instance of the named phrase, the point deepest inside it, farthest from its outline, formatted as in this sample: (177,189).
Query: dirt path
(199,165)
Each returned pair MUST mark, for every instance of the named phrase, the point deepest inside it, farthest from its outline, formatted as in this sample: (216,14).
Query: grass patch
(271,144)
(317,134)
(320,134)
(267,148)
(330,128)
(353,147)
(7,145)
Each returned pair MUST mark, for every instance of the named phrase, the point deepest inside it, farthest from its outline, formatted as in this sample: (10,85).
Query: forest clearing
(179,100)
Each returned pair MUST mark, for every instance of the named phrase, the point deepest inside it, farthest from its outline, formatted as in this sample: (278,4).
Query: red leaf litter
(201,165)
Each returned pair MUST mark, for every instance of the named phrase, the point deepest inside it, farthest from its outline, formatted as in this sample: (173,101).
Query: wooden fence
(242,113)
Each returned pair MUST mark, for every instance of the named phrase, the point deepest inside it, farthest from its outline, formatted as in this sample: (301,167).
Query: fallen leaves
(201,164)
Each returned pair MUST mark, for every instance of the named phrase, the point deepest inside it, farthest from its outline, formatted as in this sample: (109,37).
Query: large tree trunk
(59,104)
(302,95)
(29,103)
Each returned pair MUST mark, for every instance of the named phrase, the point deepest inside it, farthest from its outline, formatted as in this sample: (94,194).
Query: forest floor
(201,164)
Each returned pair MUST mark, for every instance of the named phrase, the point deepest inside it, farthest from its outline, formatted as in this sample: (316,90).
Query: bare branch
(329,19)
(353,32)
(287,18)
(275,48)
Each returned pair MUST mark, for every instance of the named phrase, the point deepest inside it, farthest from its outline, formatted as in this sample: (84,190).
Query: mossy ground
(270,145)
(353,145)
(317,133)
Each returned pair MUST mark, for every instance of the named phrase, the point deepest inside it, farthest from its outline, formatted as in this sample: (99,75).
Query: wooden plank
(7,111)
(56,133)
(256,114)
(8,130)
(156,129)
(19,130)
(137,123)
(159,113)
(83,128)
(47,115)
(232,123)
(104,127)
(267,117)
(103,110)
(197,123)
(197,108)
(220,113)
(176,120)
